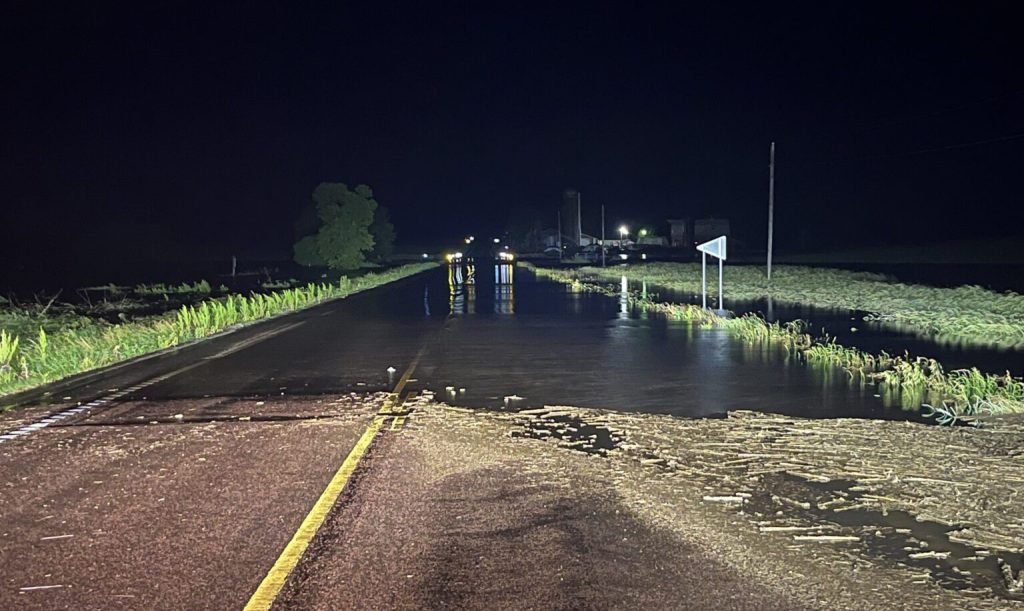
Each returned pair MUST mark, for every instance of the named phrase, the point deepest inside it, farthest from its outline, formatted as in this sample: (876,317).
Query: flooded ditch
(849,328)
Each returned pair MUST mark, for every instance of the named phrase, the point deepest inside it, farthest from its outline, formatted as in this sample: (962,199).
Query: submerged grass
(88,344)
(201,287)
(963,394)
(966,314)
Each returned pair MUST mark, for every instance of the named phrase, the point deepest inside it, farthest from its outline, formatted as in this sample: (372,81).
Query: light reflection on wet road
(512,334)
(497,331)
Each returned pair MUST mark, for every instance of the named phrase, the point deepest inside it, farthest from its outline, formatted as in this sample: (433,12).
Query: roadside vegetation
(51,341)
(964,315)
(964,394)
(343,227)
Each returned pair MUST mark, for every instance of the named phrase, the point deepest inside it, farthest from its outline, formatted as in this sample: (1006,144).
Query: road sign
(716,248)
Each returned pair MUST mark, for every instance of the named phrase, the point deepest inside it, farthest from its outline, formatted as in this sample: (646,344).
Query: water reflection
(566,345)
(504,289)
(461,289)
(624,298)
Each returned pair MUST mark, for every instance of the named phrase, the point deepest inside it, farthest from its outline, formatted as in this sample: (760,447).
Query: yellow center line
(263,598)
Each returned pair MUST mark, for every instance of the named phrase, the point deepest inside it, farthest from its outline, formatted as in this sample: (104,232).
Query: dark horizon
(186,132)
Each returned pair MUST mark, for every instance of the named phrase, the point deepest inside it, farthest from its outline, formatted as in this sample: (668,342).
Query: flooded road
(496,336)
(202,463)
(511,334)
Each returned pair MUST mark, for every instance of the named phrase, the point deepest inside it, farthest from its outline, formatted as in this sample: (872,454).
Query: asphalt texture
(163,512)
(425,532)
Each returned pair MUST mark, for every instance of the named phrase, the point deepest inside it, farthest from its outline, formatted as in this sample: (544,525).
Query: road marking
(254,340)
(265,595)
(270,587)
(116,394)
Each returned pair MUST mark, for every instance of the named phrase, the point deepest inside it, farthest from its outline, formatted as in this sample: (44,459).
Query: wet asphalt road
(182,494)
(495,332)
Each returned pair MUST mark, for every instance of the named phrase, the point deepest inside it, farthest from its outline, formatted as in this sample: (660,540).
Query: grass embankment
(965,315)
(919,381)
(61,346)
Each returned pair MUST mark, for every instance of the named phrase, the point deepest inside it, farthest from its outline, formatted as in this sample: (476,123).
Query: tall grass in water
(201,287)
(966,314)
(91,344)
(964,393)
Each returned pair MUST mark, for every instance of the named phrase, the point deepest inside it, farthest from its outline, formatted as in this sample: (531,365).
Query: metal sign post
(716,248)
(704,280)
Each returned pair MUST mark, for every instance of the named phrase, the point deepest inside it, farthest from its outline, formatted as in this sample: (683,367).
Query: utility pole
(771,206)
(559,235)
(603,264)
(579,220)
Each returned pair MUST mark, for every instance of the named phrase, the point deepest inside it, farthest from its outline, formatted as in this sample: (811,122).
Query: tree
(383,233)
(306,252)
(344,237)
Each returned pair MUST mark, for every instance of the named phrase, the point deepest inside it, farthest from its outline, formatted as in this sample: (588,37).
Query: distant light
(624,230)
(468,240)
(643,232)
(497,240)
(506,246)
(426,256)
(643,256)
(623,256)
(458,255)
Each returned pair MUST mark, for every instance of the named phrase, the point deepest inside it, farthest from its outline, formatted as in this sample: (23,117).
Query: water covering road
(496,332)
(206,459)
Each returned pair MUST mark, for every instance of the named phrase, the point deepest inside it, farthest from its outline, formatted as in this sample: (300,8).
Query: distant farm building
(709,229)
(570,218)
(685,233)
(679,233)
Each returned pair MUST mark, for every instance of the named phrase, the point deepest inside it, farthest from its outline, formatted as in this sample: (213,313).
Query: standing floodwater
(516,340)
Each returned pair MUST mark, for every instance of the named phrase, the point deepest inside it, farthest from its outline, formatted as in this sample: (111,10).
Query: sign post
(716,248)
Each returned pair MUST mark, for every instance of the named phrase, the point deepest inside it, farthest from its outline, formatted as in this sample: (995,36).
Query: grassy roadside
(966,314)
(79,344)
(950,396)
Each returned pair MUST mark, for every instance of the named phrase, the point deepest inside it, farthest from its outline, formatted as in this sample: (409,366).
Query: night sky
(162,129)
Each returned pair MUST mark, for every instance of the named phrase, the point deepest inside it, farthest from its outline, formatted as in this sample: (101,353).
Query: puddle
(571,432)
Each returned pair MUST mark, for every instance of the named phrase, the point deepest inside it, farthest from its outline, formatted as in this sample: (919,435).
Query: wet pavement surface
(183,486)
(164,514)
(495,336)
